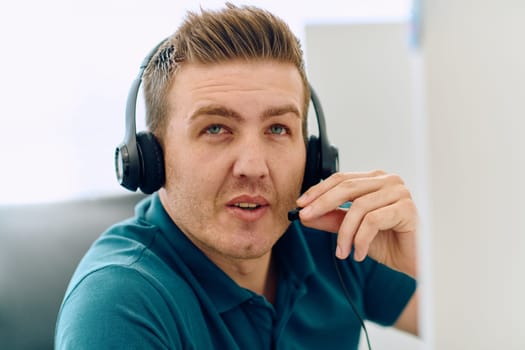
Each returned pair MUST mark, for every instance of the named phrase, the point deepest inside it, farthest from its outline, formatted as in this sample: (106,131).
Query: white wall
(474,66)
(364,76)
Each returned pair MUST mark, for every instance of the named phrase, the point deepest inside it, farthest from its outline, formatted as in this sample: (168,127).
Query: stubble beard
(197,218)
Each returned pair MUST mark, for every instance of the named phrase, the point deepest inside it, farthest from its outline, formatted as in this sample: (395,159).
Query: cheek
(198,170)
(289,172)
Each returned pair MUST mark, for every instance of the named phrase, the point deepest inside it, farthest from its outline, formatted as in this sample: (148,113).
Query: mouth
(248,208)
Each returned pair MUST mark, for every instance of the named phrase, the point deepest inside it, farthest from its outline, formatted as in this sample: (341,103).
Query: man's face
(234,154)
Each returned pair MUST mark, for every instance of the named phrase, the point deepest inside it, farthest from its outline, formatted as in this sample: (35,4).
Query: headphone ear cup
(152,174)
(312,174)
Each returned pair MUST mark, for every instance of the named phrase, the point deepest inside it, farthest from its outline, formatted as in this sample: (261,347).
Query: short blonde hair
(245,32)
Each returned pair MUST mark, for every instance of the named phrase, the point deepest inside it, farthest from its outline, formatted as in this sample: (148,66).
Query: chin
(250,245)
(254,251)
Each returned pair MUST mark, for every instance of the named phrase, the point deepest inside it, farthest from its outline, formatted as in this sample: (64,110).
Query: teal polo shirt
(144,285)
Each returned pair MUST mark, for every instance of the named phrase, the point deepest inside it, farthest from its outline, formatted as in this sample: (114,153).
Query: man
(211,260)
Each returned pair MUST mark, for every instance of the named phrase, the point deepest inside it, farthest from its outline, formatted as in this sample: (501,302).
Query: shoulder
(123,290)
(119,304)
(123,262)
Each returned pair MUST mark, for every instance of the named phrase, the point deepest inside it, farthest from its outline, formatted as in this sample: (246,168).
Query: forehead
(237,82)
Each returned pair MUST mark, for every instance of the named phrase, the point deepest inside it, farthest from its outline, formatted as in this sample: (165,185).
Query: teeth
(246,205)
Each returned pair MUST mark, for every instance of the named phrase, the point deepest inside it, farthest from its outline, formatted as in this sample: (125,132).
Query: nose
(251,159)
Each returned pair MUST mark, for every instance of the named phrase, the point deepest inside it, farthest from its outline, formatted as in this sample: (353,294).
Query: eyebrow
(225,112)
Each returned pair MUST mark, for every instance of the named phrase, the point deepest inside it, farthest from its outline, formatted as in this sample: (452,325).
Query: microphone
(294,214)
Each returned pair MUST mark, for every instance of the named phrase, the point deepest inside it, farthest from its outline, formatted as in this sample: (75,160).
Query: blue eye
(277,129)
(214,129)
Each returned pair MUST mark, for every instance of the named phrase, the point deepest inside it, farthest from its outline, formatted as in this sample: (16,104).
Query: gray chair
(40,246)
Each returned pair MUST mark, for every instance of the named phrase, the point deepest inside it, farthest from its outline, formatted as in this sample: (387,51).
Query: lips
(246,201)
(248,208)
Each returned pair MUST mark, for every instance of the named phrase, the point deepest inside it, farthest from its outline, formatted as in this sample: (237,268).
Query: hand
(382,221)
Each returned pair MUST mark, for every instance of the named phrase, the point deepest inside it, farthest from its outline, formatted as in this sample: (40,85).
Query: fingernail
(302,198)
(339,252)
(358,256)
(305,212)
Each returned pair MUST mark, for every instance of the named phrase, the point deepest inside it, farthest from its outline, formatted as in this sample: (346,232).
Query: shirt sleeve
(386,293)
(115,308)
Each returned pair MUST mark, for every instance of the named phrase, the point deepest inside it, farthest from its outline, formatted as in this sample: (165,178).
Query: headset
(139,161)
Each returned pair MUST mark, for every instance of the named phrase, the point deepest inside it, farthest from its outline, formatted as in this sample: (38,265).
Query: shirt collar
(291,251)
(294,257)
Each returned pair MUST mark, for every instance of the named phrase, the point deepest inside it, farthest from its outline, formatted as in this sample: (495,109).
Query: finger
(378,220)
(345,191)
(397,217)
(362,207)
(352,190)
(315,191)
(329,222)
